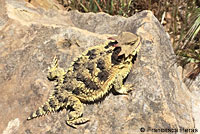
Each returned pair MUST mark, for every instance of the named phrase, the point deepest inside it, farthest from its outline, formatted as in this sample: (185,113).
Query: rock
(194,87)
(31,35)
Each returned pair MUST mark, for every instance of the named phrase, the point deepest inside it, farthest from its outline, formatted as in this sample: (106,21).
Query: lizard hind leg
(75,116)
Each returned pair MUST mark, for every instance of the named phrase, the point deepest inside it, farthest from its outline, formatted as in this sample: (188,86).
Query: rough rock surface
(32,35)
(195,91)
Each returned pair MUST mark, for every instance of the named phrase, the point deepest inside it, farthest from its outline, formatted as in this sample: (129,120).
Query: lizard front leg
(120,88)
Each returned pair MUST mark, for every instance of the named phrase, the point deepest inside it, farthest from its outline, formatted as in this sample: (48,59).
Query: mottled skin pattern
(90,77)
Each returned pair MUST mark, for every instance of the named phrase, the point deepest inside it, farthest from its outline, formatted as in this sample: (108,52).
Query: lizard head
(127,47)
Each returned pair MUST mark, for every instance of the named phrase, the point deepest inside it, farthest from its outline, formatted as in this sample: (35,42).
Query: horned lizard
(90,77)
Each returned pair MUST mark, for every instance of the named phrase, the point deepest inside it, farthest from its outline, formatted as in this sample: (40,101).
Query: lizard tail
(50,106)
